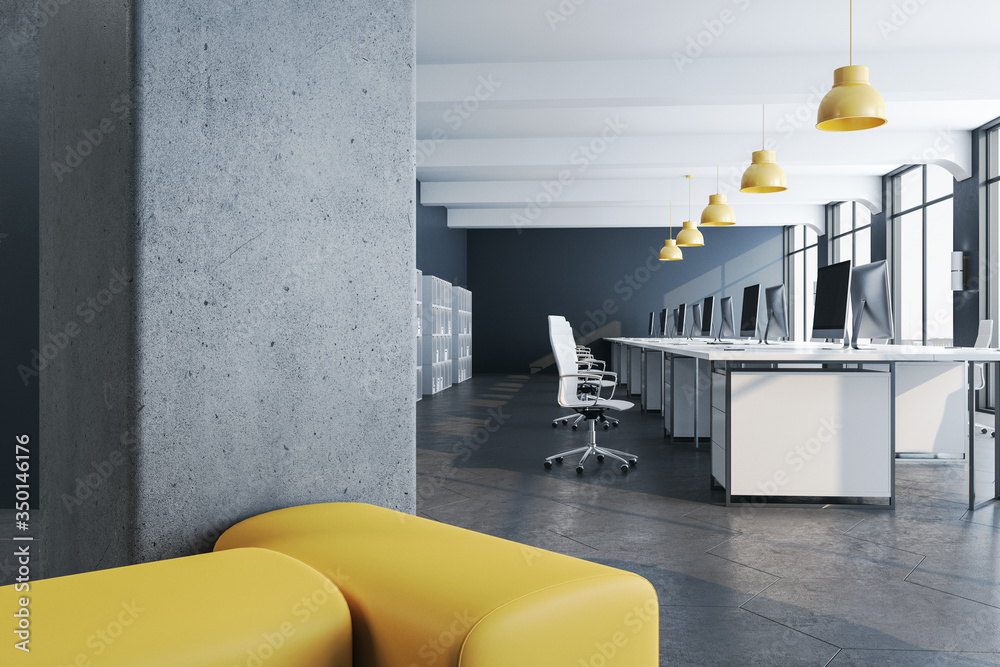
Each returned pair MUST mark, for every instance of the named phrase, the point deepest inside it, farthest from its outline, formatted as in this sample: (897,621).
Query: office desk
(775,408)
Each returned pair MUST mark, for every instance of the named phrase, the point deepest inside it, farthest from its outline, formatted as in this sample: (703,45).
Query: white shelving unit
(418,314)
(461,334)
(436,329)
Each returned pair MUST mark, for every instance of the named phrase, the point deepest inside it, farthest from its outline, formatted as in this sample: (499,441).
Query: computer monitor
(871,303)
(727,323)
(664,327)
(673,329)
(695,320)
(833,291)
(652,325)
(680,320)
(748,316)
(707,316)
(774,303)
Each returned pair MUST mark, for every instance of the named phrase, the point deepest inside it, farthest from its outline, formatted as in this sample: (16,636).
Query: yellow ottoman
(422,593)
(246,607)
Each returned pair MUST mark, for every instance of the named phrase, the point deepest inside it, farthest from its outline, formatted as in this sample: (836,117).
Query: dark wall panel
(605,281)
(441,251)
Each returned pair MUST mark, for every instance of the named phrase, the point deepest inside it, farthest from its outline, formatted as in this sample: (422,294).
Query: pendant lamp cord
(671,220)
(762,127)
(850,28)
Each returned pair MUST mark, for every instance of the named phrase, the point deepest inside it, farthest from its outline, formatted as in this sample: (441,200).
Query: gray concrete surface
(254,190)
(275,262)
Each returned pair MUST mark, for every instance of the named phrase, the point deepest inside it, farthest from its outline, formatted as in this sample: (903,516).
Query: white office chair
(591,406)
(585,361)
(983,339)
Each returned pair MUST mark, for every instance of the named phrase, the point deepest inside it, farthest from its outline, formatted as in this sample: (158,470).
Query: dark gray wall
(441,251)
(604,281)
(87,266)
(18,261)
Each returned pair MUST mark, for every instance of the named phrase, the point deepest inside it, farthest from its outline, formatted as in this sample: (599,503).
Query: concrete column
(255,195)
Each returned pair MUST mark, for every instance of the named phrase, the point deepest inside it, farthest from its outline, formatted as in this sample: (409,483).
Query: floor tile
(884,658)
(721,637)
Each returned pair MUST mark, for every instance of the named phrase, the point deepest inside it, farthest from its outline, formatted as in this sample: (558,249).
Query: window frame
(894,217)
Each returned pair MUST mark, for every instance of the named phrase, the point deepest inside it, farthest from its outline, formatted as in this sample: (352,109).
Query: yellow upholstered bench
(425,593)
(246,607)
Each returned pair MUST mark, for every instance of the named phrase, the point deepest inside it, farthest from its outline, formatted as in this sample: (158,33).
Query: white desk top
(809,352)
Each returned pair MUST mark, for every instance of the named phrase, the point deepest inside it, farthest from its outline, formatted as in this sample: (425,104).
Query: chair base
(624,458)
(574,421)
(984,429)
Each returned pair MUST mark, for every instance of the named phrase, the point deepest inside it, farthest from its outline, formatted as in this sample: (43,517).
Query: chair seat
(606,404)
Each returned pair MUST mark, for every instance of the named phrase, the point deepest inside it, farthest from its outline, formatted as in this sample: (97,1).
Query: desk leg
(642,380)
(892,435)
(996,439)
(697,390)
(972,435)
(673,406)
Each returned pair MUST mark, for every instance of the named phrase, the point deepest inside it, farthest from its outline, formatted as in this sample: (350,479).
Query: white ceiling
(511,94)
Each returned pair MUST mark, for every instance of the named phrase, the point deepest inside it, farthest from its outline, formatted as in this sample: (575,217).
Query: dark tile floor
(737,586)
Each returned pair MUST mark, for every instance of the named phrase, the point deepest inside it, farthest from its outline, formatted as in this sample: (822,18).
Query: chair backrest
(564,351)
(985,336)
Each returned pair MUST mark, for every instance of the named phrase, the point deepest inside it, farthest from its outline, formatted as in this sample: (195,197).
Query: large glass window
(850,233)
(993,234)
(921,209)
(801,257)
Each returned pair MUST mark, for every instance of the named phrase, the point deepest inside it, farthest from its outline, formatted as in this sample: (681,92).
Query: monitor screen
(706,317)
(777,323)
(748,316)
(833,291)
(727,326)
(663,323)
(870,301)
(651,329)
(680,320)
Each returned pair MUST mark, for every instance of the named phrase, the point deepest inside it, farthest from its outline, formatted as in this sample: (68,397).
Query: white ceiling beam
(645,192)
(611,147)
(708,80)
(531,216)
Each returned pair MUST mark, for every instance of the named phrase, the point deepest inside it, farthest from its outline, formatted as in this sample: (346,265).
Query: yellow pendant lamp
(852,103)
(690,237)
(718,213)
(763,174)
(670,252)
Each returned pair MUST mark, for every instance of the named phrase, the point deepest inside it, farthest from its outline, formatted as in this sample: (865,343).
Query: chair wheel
(624,469)
(984,430)
(993,434)
(558,459)
(565,421)
(579,470)
(600,458)
(548,465)
(555,424)
(605,427)
(633,461)
(615,424)
(574,427)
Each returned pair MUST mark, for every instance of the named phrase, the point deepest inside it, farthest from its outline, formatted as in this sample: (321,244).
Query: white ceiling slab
(640,192)
(540,217)
(621,99)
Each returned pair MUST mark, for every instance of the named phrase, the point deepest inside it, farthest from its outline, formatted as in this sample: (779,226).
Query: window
(921,210)
(801,256)
(993,236)
(849,230)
